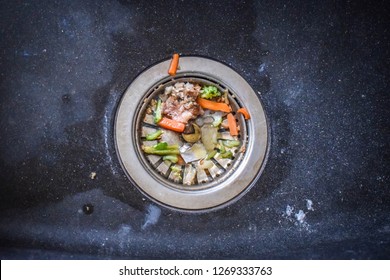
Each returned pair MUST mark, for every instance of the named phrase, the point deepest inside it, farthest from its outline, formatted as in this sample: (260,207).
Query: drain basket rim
(233,187)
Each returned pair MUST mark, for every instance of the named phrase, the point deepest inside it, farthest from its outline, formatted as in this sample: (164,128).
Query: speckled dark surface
(322,72)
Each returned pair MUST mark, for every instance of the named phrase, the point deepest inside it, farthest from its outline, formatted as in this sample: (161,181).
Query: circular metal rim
(238,183)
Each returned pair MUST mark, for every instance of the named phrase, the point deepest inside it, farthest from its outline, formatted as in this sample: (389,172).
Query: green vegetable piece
(222,150)
(171,158)
(175,168)
(227,154)
(154,135)
(176,171)
(231,143)
(162,149)
(165,146)
(151,150)
(211,154)
(221,147)
(209,92)
(161,146)
(158,112)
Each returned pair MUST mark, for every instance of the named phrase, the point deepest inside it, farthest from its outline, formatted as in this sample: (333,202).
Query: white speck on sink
(261,68)
(300,216)
(289,210)
(92,175)
(152,215)
(309,205)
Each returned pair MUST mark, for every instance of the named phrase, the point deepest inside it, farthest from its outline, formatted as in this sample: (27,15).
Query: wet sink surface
(320,69)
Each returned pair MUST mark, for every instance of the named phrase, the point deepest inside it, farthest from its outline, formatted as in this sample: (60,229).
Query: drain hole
(168,171)
(149,125)
(209,175)
(163,168)
(157,164)
(218,165)
(196,177)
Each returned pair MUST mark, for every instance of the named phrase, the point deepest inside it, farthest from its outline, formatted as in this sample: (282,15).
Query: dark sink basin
(320,70)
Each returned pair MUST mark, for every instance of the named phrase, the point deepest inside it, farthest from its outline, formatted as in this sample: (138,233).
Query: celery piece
(171,158)
(154,135)
(158,112)
(227,154)
(231,143)
(162,149)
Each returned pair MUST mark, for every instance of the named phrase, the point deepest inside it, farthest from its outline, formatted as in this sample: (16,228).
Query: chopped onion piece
(196,152)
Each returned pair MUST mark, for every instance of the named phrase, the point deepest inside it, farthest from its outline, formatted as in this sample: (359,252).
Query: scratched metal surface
(320,68)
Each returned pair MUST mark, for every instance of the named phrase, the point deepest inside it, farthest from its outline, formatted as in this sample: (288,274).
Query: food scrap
(193,127)
(209,92)
(233,129)
(172,124)
(215,106)
(174,65)
(244,112)
(154,135)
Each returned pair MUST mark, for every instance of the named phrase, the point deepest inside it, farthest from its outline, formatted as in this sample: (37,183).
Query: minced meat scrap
(181,104)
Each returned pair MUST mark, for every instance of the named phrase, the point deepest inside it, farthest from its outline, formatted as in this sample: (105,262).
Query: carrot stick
(180,160)
(244,112)
(232,124)
(174,64)
(212,105)
(171,124)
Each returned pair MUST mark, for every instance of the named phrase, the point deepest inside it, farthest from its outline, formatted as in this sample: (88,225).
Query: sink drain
(205,179)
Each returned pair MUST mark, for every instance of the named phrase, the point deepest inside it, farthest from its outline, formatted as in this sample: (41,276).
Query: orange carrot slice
(233,129)
(174,65)
(180,160)
(244,112)
(212,105)
(171,124)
